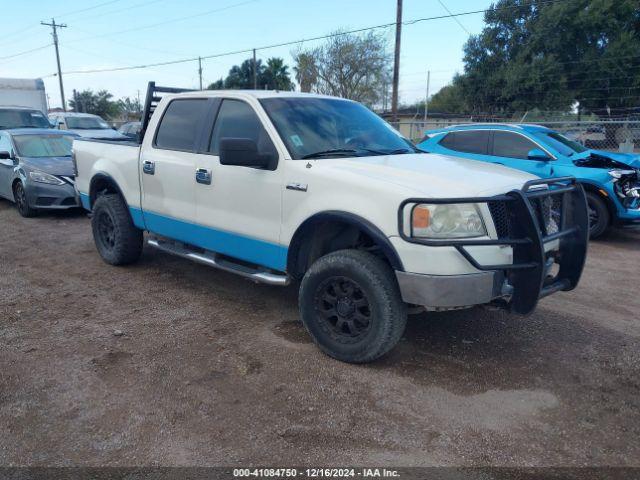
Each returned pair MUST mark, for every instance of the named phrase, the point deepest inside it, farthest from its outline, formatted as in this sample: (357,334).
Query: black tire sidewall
(23,206)
(384,303)
(595,202)
(128,239)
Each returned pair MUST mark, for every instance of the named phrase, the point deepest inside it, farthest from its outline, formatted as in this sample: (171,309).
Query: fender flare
(351,219)
(102,177)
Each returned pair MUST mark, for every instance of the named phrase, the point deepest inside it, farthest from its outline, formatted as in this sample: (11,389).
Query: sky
(107,34)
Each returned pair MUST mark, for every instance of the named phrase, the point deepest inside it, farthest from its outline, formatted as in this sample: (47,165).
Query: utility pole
(55,26)
(426,99)
(255,71)
(384,96)
(396,64)
(200,70)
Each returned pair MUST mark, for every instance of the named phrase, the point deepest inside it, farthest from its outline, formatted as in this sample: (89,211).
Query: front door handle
(203,176)
(149,167)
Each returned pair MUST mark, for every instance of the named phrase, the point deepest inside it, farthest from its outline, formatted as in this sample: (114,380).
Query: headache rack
(526,220)
(152,101)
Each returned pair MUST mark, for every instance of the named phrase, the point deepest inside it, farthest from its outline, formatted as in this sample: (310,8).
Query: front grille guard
(529,272)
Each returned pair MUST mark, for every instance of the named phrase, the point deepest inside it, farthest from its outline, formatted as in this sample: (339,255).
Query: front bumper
(536,270)
(449,291)
(52,197)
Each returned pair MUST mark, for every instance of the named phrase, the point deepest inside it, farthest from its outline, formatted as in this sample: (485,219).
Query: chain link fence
(617,136)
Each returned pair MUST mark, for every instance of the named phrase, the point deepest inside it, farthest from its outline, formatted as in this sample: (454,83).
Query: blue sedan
(36,169)
(611,180)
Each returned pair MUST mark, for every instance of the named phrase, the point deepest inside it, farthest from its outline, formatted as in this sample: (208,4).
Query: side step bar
(215,260)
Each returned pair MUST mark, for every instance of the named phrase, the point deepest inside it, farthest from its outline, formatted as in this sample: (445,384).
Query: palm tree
(276,75)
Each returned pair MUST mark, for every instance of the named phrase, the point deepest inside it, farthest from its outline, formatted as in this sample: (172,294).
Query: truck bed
(95,157)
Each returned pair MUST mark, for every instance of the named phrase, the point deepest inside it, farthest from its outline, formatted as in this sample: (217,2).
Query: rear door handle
(203,176)
(149,167)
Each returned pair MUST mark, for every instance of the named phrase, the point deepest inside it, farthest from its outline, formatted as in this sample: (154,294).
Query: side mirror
(537,154)
(243,152)
(6,158)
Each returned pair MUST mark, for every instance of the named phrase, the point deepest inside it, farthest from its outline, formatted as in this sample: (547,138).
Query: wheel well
(13,186)
(326,233)
(605,198)
(100,185)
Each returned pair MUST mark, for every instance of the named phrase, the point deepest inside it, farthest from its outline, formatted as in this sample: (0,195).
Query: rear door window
(476,141)
(181,124)
(512,145)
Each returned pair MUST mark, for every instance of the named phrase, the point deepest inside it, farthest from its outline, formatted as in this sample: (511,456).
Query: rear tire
(599,216)
(351,306)
(118,241)
(22,203)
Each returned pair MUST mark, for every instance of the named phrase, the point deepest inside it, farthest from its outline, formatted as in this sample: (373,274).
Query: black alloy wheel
(344,309)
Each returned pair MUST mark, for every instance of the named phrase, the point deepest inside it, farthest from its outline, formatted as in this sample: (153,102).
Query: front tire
(599,217)
(118,241)
(351,306)
(22,203)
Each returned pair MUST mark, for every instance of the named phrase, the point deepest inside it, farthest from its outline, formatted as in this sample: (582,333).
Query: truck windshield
(331,128)
(19,118)
(561,143)
(39,146)
(86,123)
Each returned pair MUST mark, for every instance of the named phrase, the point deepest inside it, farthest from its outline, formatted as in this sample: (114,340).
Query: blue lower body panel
(244,248)
(251,250)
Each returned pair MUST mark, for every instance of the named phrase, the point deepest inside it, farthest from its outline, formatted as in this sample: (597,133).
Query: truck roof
(250,93)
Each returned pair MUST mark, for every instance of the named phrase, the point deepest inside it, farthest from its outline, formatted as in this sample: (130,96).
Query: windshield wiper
(399,151)
(334,151)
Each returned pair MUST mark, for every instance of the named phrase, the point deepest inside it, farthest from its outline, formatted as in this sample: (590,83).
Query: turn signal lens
(421,217)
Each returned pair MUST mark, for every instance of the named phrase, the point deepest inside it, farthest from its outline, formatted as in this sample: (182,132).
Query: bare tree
(349,66)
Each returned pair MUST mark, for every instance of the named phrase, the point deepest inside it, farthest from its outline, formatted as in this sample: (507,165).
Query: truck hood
(100,133)
(431,175)
(54,165)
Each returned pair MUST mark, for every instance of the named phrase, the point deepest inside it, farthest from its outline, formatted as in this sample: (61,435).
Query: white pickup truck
(282,186)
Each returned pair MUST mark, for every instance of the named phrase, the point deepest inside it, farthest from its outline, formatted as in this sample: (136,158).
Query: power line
(75,12)
(454,18)
(125,9)
(26,52)
(22,30)
(128,45)
(294,42)
(166,22)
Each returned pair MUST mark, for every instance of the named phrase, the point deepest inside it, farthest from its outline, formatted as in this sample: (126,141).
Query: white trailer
(23,92)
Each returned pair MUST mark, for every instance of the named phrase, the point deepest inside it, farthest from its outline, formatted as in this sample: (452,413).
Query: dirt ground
(211,369)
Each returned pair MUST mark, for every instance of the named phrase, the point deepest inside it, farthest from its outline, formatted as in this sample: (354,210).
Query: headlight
(461,220)
(618,174)
(42,177)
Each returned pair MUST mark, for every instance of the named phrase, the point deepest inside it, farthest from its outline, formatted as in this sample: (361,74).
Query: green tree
(449,99)
(274,76)
(550,55)
(131,107)
(347,65)
(217,85)
(99,103)
(306,71)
